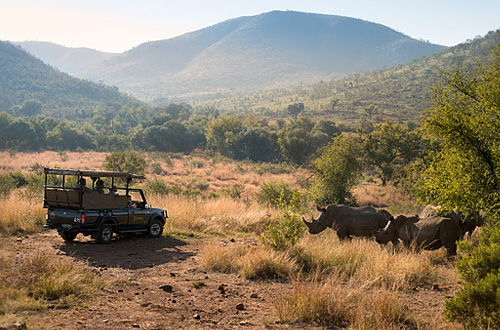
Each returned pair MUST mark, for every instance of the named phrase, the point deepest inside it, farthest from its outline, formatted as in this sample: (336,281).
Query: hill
(67,59)
(399,93)
(25,78)
(273,49)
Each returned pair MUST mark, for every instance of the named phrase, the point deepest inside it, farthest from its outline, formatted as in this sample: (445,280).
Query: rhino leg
(451,251)
(343,234)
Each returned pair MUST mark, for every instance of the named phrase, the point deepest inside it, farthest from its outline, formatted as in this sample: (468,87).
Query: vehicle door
(138,216)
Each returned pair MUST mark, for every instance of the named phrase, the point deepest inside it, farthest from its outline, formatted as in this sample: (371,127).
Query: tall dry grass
(251,261)
(21,215)
(354,284)
(335,303)
(44,281)
(217,215)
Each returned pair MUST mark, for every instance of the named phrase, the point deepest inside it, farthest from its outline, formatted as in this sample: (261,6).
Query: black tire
(68,236)
(155,229)
(105,234)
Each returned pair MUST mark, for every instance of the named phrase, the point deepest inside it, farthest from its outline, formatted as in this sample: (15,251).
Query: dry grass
(332,302)
(20,215)
(45,281)
(219,215)
(251,261)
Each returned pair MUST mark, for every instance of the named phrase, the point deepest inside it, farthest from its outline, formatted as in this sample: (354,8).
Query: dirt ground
(158,284)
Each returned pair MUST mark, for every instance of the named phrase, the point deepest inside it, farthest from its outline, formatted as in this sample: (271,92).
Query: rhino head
(388,234)
(318,225)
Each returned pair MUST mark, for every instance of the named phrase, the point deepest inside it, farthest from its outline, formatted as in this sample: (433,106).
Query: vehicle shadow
(129,251)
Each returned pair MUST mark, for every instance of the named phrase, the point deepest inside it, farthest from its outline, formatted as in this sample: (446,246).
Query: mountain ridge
(261,51)
(67,59)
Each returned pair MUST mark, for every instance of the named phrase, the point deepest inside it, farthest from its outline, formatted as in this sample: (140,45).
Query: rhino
(347,221)
(466,221)
(427,233)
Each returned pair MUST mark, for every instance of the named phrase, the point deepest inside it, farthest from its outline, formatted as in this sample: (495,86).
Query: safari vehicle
(73,209)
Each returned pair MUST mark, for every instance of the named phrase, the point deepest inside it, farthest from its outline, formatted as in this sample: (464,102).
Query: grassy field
(354,284)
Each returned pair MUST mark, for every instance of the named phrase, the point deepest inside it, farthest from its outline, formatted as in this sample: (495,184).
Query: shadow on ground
(128,252)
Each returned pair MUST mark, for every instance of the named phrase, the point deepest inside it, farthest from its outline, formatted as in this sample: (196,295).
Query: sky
(119,25)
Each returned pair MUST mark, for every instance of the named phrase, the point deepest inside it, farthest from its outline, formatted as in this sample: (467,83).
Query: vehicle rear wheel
(68,236)
(105,234)
(156,228)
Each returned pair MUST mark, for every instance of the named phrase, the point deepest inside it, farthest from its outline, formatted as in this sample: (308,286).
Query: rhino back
(426,232)
(363,221)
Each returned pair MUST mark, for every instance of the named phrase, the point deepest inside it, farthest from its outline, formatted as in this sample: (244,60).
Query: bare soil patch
(158,284)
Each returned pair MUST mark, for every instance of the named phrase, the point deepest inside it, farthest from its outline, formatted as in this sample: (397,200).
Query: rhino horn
(307,223)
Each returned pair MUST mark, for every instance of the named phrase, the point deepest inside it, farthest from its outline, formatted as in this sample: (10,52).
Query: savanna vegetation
(255,176)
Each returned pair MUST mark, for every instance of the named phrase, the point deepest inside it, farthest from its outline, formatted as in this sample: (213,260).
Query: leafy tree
(336,171)
(65,137)
(303,137)
(221,133)
(130,162)
(256,144)
(390,147)
(465,119)
(295,109)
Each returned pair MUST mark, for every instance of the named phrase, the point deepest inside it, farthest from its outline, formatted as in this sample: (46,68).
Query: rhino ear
(391,218)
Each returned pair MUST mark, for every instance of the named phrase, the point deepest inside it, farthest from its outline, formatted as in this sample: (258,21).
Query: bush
(477,306)
(130,162)
(7,184)
(284,232)
(275,194)
(477,303)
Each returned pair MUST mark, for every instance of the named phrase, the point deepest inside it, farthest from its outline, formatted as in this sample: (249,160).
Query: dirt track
(158,284)
(153,284)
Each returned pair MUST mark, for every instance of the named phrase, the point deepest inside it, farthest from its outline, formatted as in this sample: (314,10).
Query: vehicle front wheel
(156,228)
(105,234)
(68,236)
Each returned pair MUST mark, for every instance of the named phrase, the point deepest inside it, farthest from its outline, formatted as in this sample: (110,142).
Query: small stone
(196,316)
(173,274)
(232,240)
(166,288)
(240,307)
(254,295)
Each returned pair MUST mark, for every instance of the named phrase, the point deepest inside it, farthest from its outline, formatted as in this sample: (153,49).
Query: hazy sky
(118,25)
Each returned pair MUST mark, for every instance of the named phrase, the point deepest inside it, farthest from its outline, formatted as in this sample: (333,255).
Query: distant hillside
(273,49)
(26,78)
(399,93)
(66,59)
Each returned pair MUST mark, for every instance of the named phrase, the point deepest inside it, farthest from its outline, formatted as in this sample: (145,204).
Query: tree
(295,109)
(336,171)
(390,147)
(465,119)
(130,162)
(221,133)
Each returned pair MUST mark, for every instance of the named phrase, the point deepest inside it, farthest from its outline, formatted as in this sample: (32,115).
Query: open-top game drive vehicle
(74,208)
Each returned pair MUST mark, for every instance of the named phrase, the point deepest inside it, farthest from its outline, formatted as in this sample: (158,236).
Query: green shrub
(7,184)
(234,191)
(283,232)
(477,303)
(275,194)
(477,306)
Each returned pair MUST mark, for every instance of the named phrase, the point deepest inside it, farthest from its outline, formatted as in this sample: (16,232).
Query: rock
(254,295)
(240,307)
(196,316)
(232,240)
(167,288)
(173,274)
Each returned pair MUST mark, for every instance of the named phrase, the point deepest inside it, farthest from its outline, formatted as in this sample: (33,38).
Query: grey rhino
(428,233)
(347,221)
(466,221)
